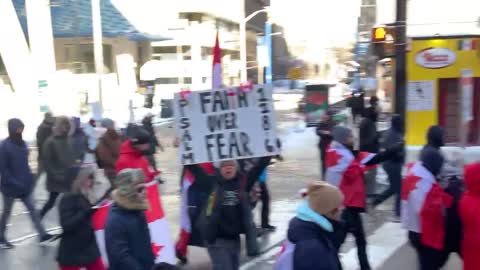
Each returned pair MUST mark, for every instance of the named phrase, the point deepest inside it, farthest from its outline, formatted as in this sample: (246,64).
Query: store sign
(435,58)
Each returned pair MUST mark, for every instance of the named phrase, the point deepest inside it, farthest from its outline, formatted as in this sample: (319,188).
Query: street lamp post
(243,42)
(98,46)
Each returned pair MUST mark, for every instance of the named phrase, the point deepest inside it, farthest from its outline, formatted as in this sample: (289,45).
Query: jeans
(265,197)
(353,224)
(394,172)
(428,258)
(52,198)
(96,265)
(7,211)
(225,254)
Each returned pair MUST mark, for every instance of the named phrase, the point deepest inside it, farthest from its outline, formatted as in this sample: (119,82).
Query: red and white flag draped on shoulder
(424,205)
(345,171)
(162,244)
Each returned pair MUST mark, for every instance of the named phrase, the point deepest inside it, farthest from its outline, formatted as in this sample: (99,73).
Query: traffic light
(379,34)
(383,41)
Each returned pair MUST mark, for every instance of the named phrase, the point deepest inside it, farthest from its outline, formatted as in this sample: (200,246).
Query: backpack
(285,257)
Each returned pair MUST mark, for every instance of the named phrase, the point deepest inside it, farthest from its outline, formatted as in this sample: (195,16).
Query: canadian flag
(185,223)
(217,65)
(345,171)
(339,159)
(423,206)
(162,244)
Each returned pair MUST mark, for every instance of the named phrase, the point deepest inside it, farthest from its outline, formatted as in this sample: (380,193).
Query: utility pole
(400,58)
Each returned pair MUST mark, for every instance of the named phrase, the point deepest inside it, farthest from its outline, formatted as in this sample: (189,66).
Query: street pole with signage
(400,58)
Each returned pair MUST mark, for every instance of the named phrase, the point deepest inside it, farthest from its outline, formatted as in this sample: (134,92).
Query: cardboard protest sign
(225,124)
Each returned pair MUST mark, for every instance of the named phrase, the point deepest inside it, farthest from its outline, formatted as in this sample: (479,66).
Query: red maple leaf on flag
(409,184)
(156,249)
(332,158)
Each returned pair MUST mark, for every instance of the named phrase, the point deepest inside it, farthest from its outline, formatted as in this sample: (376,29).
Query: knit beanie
(126,194)
(139,136)
(341,134)
(323,198)
(107,123)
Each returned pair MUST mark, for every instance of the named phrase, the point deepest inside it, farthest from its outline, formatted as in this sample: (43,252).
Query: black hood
(432,160)
(398,124)
(13,125)
(435,137)
(371,113)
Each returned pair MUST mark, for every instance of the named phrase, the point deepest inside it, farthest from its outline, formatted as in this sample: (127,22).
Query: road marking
(28,236)
(381,245)
(265,256)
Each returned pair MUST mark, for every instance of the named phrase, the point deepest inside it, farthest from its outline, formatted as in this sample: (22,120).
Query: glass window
(204,79)
(206,52)
(167,80)
(80,58)
(165,50)
(187,80)
(187,52)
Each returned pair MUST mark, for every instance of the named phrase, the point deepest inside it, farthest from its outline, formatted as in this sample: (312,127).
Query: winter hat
(432,160)
(126,194)
(139,136)
(323,198)
(222,163)
(341,134)
(107,123)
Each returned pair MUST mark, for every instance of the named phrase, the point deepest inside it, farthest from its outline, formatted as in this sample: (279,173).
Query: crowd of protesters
(441,214)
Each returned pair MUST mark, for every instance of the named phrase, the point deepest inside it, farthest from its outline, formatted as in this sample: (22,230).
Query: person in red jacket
(469,208)
(132,154)
(345,169)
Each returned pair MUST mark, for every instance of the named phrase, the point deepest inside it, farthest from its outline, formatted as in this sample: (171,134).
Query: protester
(131,154)
(357,104)
(59,162)
(78,247)
(393,167)
(369,142)
(265,198)
(229,212)
(45,130)
(194,200)
(469,209)
(312,235)
(78,140)
(373,109)
(324,131)
(92,134)
(345,170)
(127,237)
(17,181)
(108,149)
(424,208)
(435,140)
(154,143)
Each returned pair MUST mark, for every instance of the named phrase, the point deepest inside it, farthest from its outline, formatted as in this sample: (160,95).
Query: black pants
(428,258)
(394,172)
(52,198)
(323,159)
(353,224)
(265,197)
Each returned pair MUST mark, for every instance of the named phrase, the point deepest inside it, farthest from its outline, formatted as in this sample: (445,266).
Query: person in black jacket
(45,130)
(127,238)
(16,180)
(369,142)
(393,167)
(154,143)
(78,246)
(228,213)
(314,230)
(324,132)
